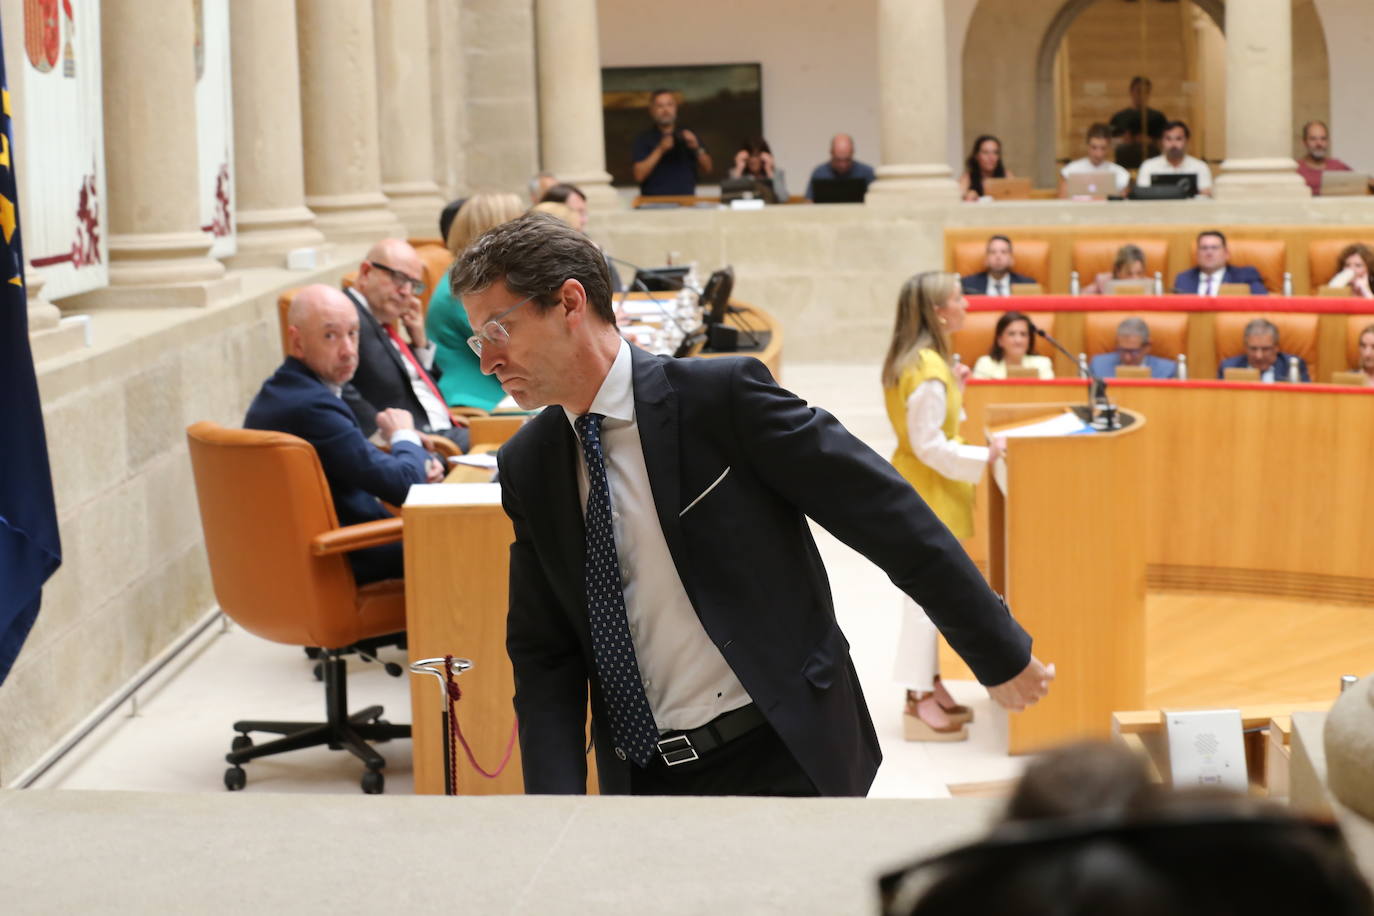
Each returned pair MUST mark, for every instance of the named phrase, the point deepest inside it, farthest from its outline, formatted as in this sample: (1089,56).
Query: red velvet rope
(455,694)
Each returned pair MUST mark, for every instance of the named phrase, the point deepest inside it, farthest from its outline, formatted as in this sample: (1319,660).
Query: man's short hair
(534,254)
(1138,81)
(1261,326)
(1099,131)
(998,238)
(448,213)
(560,193)
(1187,134)
(1217,232)
(1308,126)
(658,92)
(1134,327)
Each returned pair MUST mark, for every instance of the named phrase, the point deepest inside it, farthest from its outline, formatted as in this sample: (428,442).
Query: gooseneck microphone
(1097,387)
(658,304)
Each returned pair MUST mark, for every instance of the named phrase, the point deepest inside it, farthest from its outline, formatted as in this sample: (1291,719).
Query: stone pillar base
(56,341)
(899,185)
(162,295)
(157,270)
(265,236)
(417,205)
(362,217)
(1259,179)
(43,315)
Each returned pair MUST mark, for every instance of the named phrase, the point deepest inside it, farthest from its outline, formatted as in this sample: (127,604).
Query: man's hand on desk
(434,470)
(1024,689)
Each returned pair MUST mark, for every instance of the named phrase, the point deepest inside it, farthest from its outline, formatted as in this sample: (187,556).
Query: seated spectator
(1214,268)
(1366,364)
(1318,142)
(562,212)
(1013,344)
(448,213)
(574,198)
(985,161)
(754,159)
(997,276)
(1133,349)
(394,371)
(539,186)
(1139,127)
(668,158)
(1262,352)
(1176,160)
(462,381)
(1129,265)
(1099,139)
(1356,262)
(1088,833)
(304,398)
(842,164)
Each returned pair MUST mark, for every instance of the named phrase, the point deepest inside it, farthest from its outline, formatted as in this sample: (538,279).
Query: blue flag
(29,546)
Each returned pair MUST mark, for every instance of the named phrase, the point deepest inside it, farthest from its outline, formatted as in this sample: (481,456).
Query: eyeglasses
(494,332)
(402,280)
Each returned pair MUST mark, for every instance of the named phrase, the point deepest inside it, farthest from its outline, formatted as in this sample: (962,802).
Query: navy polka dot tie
(632,721)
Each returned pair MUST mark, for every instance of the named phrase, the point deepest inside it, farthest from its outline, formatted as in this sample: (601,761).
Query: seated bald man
(395,358)
(304,397)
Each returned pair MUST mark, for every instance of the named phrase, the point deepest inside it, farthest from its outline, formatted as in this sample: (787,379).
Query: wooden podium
(1067,549)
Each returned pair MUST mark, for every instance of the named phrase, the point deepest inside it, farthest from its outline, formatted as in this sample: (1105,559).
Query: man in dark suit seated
(304,398)
(662,558)
(1214,268)
(394,371)
(997,276)
(1132,349)
(1262,353)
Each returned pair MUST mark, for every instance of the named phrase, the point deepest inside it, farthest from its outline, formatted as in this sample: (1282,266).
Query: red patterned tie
(415,363)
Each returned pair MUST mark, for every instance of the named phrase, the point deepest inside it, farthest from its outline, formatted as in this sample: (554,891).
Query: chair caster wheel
(240,742)
(393,669)
(235,779)
(373,782)
(313,652)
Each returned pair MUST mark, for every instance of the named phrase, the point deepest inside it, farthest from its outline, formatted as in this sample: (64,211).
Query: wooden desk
(751,318)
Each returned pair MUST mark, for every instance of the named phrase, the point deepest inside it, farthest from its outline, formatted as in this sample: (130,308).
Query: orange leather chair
(1297,334)
(437,260)
(1096,256)
(1354,324)
(1323,259)
(1031,258)
(1268,256)
(976,337)
(276,554)
(1168,332)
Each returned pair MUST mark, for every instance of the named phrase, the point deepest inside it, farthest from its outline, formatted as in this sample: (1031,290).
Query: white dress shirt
(687,680)
(925,421)
(1209,284)
(436,411)
(1000,287)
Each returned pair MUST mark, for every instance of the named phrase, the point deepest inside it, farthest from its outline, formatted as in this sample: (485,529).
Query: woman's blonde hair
(554,208)
(917,326)
(482,212)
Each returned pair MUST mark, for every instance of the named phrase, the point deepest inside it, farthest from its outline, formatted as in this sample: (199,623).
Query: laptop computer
(1186,182)
(1090,185)
(838,190)
(1344,184)
(746,188)
(1007,188)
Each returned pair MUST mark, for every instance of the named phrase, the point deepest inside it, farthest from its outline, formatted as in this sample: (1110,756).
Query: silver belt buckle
(681,750)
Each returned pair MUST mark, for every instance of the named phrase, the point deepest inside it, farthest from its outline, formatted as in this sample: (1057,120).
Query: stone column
(343,177)
(572,140)
(405,115)
(159,256)
(913,108)
(1259,104)
(270,177)
(448,94)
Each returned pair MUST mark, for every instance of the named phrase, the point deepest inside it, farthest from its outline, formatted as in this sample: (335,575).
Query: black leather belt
(685,747)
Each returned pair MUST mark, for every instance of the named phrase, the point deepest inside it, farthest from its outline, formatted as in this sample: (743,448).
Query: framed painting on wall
(721,103)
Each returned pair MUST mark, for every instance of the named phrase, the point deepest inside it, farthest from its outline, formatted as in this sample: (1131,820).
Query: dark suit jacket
(747,561)
(977,284)
(1190,281)
(1281,365)
(295,401)
(381,380)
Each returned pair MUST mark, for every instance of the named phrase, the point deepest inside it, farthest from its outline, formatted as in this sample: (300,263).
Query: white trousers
(917,662)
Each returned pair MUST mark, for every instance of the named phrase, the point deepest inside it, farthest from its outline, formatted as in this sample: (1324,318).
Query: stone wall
(133,575)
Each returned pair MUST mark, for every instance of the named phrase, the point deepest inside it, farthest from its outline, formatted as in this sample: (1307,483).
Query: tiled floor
(177,738)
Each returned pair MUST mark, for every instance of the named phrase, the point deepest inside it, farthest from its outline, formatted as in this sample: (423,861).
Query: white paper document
(1066,424)
(485,460)
(454,494)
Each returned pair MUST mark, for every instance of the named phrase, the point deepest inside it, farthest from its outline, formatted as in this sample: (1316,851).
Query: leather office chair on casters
(277,561)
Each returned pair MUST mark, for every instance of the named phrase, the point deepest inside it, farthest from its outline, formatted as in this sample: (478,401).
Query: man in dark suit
(394,371)
(997,277)
(662,558)
(1214,268)
(1262,352)
(304,398)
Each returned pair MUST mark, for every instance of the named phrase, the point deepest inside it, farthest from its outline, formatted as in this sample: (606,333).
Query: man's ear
(573,296)
(294,345)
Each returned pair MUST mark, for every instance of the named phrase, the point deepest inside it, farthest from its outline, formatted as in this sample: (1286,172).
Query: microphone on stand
(686,335)
(1097,387)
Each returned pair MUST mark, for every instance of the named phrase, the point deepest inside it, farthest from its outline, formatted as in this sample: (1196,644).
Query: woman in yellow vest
(923,387)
